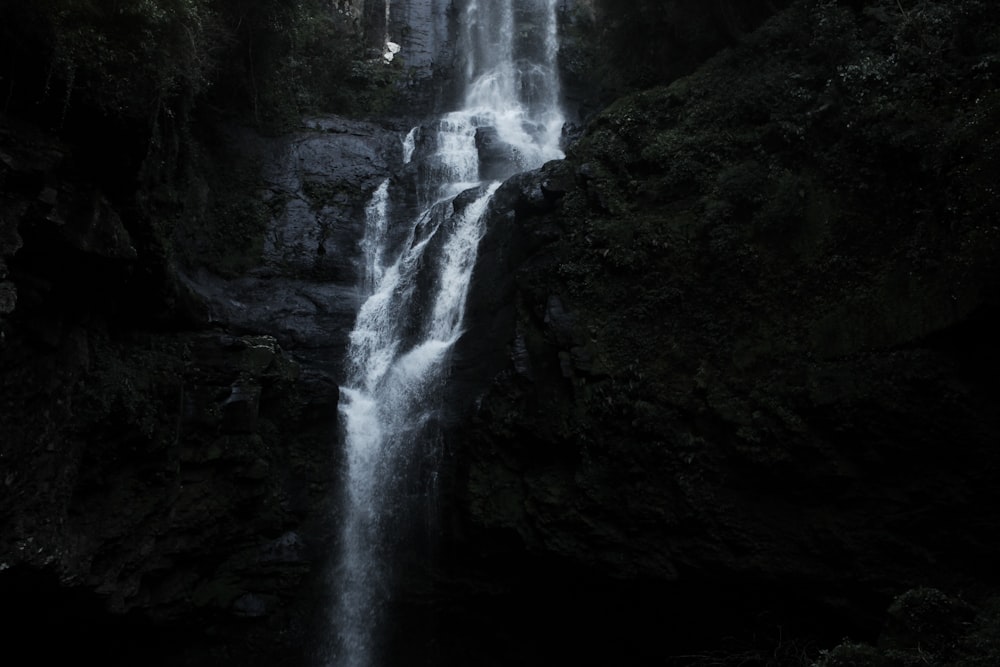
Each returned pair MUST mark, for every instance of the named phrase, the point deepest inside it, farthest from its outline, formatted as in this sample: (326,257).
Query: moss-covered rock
(926,627)
(769,363)
(157,473)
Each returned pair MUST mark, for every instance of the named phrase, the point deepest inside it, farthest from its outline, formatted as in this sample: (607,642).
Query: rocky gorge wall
(166,473)
(741,358)
(726,387)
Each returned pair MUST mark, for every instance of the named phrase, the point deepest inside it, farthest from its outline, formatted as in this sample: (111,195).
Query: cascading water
(509,121)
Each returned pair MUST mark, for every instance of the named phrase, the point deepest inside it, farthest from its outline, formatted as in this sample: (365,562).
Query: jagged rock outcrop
(748,352)
(165,483)
(303,288)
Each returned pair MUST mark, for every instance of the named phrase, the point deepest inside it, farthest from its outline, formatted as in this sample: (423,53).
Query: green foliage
(127,59)
(131,391)
(927,627)
(980,645)
(675,35)
(809,161)
(927,619)
(292,58)
(151,61)
(224,231)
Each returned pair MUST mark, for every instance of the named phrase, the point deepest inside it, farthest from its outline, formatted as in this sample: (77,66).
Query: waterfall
(509,120)
(409,145)
(373,243)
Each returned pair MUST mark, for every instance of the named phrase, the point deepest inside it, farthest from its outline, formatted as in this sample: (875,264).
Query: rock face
(135,454)
(739,345)
(423,29)
(425,32)
(315,184)
(169,437)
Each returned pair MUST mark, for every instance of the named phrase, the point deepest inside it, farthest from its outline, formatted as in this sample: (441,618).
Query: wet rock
(558,180)
(317,184)
(466,198)
(239,409)
(495,155)
(422,29)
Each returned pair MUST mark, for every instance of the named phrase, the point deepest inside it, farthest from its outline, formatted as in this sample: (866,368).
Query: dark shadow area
(558,614)
(46,623)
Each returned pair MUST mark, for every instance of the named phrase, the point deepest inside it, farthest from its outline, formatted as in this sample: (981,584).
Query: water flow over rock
(509,121)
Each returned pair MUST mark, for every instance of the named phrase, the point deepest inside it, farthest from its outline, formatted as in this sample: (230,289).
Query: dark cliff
(741,350)
(732,360)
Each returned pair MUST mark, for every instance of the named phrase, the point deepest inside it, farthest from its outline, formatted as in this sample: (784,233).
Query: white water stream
(416,299)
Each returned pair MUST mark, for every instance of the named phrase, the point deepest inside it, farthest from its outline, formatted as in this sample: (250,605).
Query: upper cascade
(512,82)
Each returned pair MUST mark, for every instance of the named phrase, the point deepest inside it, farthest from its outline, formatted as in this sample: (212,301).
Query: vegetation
(779,272)
(138,87)
(676,36)
(152,59)
(927,627)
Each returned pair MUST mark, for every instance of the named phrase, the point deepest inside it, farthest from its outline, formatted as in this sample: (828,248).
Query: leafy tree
(675,35)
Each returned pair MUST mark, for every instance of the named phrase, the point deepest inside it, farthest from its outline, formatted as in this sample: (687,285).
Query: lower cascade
(416,276)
